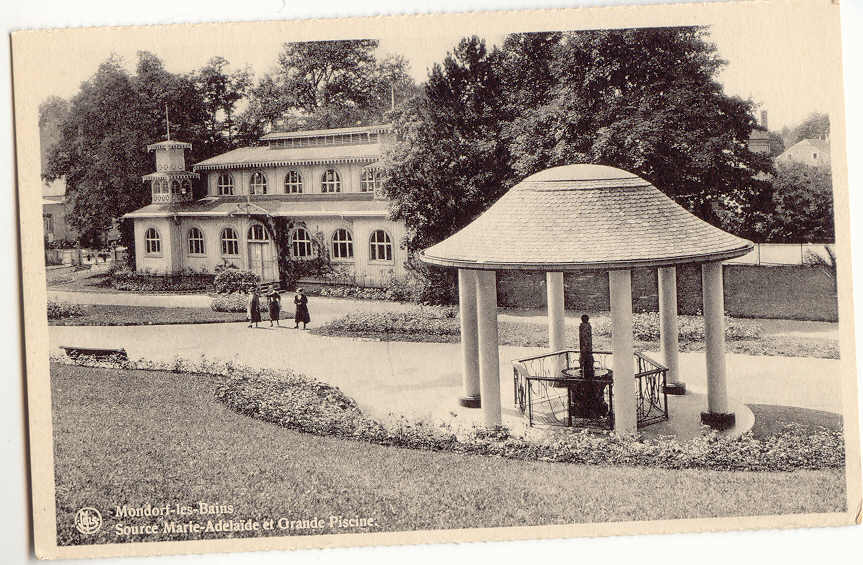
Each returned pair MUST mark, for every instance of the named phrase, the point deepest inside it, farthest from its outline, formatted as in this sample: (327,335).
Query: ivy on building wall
(291,268)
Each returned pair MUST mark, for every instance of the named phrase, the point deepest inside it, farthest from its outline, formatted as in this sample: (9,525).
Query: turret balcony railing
(550,390)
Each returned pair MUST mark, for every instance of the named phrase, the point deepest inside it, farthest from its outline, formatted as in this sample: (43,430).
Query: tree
(103,148)
(645,100)
(802,209)
(221,91)
(53,112)
(815,126)
(777,145)
(450,161)
(325,84)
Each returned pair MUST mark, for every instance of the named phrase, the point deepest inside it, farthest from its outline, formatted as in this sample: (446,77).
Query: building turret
(171,182)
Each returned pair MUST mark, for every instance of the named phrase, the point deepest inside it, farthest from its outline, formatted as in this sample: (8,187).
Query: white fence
(786,254)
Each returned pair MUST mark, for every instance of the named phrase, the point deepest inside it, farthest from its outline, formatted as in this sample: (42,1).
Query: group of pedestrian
(274,307)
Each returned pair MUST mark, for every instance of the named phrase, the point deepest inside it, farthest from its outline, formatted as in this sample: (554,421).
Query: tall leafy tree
(53,112)
(815,126)
(450,161)
(221,90)
(802,210)
(325,84)
(102,151)
(645,100)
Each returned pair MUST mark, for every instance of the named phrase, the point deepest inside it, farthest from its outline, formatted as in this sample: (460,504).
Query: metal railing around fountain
(548,396)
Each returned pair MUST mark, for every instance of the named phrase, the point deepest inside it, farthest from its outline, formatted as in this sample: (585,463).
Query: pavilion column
(469,338)
(556,311)
(623,363)
(489,370)
(717,414)
(667,278)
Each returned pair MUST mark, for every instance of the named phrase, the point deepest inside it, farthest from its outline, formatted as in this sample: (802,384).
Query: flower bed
(442,321)
(303,403)
(128,280)
(61,310)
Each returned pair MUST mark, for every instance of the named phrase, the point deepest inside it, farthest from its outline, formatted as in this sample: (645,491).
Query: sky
(770,62)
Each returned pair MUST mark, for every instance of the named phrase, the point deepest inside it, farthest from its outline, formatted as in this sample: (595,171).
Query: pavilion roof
(584,216)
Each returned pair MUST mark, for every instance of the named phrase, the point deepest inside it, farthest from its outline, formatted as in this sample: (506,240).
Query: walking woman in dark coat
(254,308)
(274,305)
(301,314)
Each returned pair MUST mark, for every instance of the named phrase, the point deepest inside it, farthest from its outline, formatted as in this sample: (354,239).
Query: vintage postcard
(453,277)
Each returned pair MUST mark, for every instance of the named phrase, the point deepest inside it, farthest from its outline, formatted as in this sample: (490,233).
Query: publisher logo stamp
(88,520)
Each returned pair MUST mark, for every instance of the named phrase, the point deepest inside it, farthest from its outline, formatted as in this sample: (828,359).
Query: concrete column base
(718,420)
(470,401)
(675,389)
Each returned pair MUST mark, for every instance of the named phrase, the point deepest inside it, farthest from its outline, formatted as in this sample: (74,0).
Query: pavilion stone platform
(683,423)
(593,217)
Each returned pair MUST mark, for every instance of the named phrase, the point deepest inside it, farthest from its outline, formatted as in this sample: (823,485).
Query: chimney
(764,119)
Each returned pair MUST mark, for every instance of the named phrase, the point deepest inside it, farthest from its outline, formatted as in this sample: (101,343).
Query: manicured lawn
(138,437)
(101,315)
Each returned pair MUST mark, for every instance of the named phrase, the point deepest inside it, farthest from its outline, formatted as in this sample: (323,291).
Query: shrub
(60,310)
(354,292)
(232,280)
(234,302)
(424,320)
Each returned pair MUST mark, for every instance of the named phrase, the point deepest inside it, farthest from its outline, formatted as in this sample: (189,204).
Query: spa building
(321,188)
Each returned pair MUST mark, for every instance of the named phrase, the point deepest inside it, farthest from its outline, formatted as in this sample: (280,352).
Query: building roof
(584,217)
(170,175)
(284,205)
(49,200)
(377,128)
(822,144)
(253,157)
(169,144)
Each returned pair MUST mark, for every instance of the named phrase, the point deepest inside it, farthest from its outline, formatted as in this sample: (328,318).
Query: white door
(261,261)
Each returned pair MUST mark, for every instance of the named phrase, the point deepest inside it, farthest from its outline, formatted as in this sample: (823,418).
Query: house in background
(321,189)
(812,152)
(54,223)
(759,139)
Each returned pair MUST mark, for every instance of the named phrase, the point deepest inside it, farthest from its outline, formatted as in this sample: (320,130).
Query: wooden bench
(75,351)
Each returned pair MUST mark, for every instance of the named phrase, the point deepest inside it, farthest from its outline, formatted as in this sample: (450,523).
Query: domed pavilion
(580,217)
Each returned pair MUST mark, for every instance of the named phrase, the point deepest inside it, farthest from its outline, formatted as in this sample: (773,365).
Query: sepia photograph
(452,277)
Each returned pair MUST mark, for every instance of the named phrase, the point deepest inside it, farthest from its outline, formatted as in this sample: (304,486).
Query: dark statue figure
(588,398)
(585,347)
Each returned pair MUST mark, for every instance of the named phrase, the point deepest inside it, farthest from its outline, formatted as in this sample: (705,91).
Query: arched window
(160,186)
(343,244)
(225,184)
(380,246)
(230,242)
(258,233)
(187,187)
(258,183)
(175,187)
(293,183)
(370,180)
(196,242)
(331,182)
(152,241)
(301,243)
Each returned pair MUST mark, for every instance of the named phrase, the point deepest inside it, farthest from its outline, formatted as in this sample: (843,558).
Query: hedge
(234,302)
